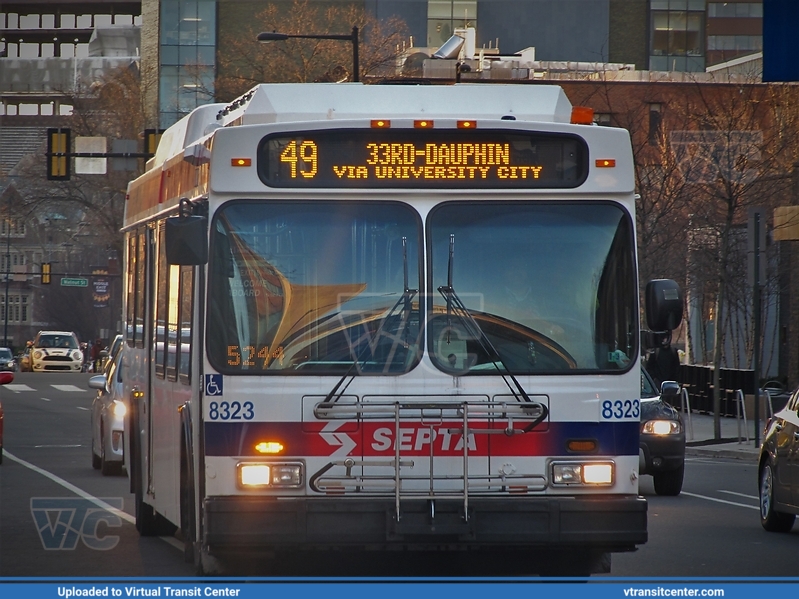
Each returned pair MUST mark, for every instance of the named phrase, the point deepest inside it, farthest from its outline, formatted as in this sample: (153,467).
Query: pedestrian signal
(46,273)
(57,154)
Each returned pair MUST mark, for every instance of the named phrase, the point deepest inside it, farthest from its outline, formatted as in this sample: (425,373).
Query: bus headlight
(582,473)
(661,427)
(255,475)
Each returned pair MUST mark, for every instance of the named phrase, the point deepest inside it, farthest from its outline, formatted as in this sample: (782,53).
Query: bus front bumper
(609,523)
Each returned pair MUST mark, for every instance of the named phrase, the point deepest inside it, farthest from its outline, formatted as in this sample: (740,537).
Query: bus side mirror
(186,240)
(664,305)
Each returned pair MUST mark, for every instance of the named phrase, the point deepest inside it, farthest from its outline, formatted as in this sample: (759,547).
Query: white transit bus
(388,317)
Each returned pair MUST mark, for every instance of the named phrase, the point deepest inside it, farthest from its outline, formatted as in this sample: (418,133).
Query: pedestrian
(663,364)
(96,349)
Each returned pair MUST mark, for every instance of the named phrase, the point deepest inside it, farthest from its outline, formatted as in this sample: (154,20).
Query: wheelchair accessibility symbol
(213,385)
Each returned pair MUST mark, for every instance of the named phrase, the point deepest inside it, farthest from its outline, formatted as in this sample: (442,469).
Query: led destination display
(419,159)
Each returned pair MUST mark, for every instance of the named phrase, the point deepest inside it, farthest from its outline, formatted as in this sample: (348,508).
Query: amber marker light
(241,162)
(581,446)
(423,124)
(272,447)
(467,124)
(582,115)
(606,163)
(381,124)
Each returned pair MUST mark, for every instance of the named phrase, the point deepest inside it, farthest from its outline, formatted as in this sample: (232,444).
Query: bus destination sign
(404,158)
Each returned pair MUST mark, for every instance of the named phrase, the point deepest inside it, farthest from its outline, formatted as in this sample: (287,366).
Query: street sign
(74,282)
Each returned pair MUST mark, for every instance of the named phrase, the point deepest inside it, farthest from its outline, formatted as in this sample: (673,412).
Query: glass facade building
(187,57)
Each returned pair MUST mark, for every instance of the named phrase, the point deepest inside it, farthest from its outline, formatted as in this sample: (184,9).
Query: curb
(748,454)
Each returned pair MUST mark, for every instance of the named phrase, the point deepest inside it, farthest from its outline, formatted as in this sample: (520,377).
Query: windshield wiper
(455,305)
(405,306)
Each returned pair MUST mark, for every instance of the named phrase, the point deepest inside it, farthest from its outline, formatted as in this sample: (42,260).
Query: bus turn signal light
(269,447)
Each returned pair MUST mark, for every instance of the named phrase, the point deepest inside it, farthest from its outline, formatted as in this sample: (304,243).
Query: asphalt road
(49,525)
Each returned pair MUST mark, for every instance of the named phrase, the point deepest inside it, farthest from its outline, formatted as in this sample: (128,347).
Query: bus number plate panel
(620,409)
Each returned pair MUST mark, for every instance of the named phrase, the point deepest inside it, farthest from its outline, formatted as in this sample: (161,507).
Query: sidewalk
(702,442)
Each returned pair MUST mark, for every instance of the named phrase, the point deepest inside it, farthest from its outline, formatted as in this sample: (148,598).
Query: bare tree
(76,223)
(247,62)
(662,204)
(113,108)
(717,149)
(735,156)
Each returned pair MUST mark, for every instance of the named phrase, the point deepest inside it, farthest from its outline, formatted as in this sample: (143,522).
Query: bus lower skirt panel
(608,523)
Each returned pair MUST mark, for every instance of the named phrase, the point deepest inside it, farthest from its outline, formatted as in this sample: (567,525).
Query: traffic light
(151,139)
(45,273)
(58,162)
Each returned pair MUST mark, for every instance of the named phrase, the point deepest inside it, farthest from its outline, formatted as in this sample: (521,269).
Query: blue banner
(257,588)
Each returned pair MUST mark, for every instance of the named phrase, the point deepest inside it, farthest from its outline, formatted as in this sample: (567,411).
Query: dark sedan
(7,362)
(778,469)
(662,440)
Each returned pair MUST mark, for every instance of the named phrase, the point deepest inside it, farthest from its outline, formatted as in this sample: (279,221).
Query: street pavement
(700,437)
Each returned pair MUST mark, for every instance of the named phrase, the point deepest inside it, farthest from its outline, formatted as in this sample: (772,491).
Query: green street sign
(74,282)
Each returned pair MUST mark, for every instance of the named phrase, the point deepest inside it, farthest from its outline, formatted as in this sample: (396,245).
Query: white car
(56,351)
(108,418)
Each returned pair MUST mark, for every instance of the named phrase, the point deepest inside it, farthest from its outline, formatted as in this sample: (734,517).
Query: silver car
(108,418)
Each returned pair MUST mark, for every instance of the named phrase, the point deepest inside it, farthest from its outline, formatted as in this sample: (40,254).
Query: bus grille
(382,476)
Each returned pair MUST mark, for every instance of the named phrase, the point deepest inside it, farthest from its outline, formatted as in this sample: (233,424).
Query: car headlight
(120,409)
(260,475)
(37,355)
(582,473)
(76,355)
(661,427)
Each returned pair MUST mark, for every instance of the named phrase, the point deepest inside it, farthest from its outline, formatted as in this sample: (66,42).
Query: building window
(655,123)
(677,33)
(17,308)
(14,227)
(752,10)
(188,57)
(735,42)
(602,119)
(445,16)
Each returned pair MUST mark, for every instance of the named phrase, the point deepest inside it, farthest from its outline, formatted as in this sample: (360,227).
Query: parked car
(113,349)
(5,378)
(25,360)
(108,418)
(7,361)
(56,351)
(778,469)
(662,439)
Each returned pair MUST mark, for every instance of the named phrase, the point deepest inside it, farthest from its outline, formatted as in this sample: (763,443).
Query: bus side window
(185,323)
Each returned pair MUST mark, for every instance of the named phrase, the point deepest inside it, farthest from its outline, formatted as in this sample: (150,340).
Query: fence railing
(698,380)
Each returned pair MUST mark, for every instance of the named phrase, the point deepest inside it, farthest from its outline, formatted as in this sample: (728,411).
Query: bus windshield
(550,287)
(314,287)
